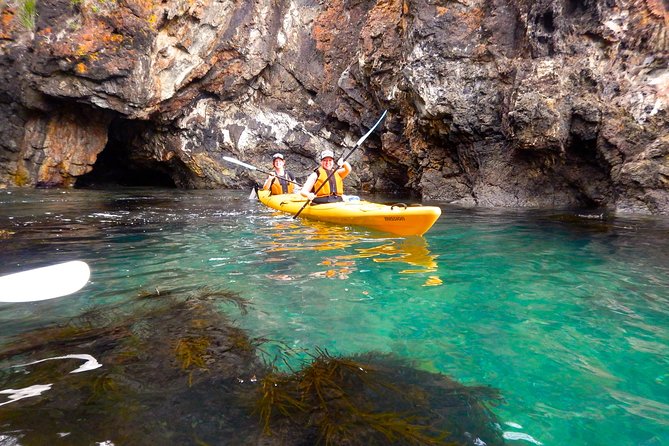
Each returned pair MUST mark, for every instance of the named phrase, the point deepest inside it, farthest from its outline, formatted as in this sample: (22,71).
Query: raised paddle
(248,166)
(355,147)
(44,283)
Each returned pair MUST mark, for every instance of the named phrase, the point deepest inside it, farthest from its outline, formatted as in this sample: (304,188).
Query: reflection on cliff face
(309,235)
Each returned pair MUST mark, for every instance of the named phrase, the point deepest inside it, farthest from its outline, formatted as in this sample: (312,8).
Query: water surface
(566,313)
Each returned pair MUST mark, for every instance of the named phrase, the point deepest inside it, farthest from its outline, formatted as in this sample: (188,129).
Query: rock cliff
(491,102)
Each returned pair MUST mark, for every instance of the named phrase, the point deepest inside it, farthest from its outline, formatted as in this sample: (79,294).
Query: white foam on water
(105,215)
(6,440)
(90,364)
(513,425)
(26,392)
(37,389)
(520,436)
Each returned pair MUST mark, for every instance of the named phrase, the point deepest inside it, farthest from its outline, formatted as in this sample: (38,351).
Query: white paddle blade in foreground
(44,283)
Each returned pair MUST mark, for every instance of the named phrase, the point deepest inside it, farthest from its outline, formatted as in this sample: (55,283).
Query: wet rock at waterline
(491,103)
(171,369)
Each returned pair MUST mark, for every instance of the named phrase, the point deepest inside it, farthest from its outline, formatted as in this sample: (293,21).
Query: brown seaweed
(176,370)
(353,401)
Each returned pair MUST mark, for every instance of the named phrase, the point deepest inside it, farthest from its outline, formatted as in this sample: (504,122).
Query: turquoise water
(566,314)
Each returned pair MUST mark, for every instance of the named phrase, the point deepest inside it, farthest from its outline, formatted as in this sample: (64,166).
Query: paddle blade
(253,195)
(44,283)
(239,163)
(364,137)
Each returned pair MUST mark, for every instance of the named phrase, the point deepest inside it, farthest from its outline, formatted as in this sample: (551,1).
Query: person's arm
(344,169)
(268,182)
(308,185)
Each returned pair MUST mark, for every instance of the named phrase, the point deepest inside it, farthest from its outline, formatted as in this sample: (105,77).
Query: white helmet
(327,154)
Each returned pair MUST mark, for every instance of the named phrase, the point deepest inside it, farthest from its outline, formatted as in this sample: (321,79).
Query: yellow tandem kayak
(396,219)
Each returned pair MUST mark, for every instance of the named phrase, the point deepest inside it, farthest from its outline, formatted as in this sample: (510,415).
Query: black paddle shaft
(355,147)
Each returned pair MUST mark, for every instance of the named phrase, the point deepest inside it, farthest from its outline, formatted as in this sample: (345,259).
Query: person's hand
(311,196)
(340,162)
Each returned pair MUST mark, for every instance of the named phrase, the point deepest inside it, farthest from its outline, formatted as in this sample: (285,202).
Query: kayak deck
(397,219)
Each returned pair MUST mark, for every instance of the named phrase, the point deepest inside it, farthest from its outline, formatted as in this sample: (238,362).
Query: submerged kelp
(206,293)
(201,294)
(373,399)
(173,369)
(170,370)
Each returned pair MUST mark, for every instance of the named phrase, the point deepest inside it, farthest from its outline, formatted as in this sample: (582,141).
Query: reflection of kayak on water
(319,236)
(398,219)
(413,251)
(286,235)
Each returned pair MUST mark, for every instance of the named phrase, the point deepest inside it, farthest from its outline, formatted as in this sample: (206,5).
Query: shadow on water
(168,368)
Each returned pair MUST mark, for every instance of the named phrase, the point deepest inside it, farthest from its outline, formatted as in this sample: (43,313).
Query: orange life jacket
(281,185)
(335,186)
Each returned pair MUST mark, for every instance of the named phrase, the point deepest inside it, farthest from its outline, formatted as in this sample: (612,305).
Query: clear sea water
(566,313)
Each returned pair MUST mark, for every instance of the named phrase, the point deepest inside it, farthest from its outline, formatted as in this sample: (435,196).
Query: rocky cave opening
(121,164)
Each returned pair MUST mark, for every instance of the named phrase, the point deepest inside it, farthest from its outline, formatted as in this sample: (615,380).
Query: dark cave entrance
(120,163)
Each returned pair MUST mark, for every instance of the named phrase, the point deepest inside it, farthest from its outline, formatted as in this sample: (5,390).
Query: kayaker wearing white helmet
(280,181)
(318,188)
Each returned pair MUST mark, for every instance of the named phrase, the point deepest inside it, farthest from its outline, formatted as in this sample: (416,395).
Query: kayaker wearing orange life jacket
(332,189)
(280,181)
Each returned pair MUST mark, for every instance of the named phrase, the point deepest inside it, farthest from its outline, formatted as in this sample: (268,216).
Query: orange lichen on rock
(88,39)
(384,15)
(85,46)
(143,8)
(658,9)
(325,24)
(7,23)
(473,18)
(112,38)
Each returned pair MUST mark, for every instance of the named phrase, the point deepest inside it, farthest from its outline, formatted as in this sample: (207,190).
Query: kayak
(398,219)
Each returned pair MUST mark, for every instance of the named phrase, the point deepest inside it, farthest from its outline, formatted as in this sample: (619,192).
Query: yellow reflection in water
(411,250)
(309,235)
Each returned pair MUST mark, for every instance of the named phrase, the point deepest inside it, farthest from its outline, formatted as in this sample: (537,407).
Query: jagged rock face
(496,103)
